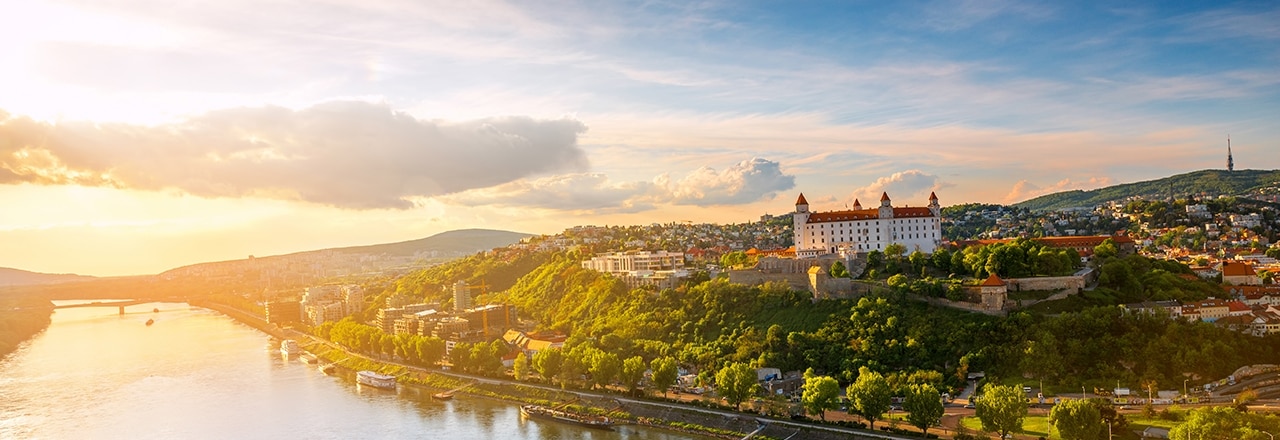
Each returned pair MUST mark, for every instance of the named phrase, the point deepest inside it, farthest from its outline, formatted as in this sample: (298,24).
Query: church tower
(1231,163)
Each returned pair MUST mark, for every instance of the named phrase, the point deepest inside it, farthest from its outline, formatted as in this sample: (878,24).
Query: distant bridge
(121,304)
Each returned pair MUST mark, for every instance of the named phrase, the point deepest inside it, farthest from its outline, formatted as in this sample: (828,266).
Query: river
(197,374)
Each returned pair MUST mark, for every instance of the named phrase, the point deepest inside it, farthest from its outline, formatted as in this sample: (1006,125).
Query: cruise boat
(545,413)
(289,347)
(370,378)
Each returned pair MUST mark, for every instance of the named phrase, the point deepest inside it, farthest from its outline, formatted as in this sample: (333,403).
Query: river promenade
(661,414)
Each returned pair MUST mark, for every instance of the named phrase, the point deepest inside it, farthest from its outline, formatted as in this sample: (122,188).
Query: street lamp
(1184,390)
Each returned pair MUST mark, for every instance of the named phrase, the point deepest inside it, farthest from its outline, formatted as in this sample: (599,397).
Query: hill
(1204,182)
(355,259)
(459,241)
(15,277)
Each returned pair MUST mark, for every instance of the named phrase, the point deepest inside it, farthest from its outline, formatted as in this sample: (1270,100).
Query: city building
(861,230)
(281,312)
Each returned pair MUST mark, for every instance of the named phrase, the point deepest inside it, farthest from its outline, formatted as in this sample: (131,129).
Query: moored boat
(289,347)
(373,379)
(328,368)
(442,396)
(590,421)
(150,321)
(309,358)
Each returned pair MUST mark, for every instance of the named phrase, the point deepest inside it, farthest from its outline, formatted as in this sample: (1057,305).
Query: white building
(622,263)
(863,230)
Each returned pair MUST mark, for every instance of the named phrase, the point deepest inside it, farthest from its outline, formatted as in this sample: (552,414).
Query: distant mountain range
(16,277)
(1204,182)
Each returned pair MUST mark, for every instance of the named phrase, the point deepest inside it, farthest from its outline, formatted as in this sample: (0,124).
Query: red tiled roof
(912,212)
(993,281)
(932,196)
(884,196)
(1233,269)
(856,204)
(860,214)
(801,200)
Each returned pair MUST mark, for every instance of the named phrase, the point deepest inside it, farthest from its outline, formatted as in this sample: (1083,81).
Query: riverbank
(657,414)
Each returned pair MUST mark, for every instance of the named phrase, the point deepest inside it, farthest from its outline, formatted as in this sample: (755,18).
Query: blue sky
(251,127)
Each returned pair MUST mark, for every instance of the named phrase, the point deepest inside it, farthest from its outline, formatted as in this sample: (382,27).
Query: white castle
(864,230)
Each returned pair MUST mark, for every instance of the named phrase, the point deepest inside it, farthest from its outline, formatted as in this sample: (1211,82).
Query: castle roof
(801,200)
(857,204)
(866,214)
(884,196)
(932,196)
(993,281)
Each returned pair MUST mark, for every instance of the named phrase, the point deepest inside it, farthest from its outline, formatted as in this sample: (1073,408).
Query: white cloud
(346,154)
(1025,190)
(745,182)
(904,187)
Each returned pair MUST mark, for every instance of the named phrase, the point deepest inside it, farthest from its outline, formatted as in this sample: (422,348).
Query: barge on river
(545,413)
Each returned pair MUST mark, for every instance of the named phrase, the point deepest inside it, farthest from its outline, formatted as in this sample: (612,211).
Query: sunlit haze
(137,136)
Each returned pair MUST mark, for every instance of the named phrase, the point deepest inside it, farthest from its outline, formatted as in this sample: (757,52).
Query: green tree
(895,251)
(875,259)
(604,368)
(1001,409)
(897,281)
(1220,422)
(820,393)
(460,356)
(664,373)
(733,259)
(1076,419)
(1107,249)
(923,404)
(632,372)
(520,368)
(918,260)
(838,270)
(870,395)
(736,382)
(941,259)
(547,363)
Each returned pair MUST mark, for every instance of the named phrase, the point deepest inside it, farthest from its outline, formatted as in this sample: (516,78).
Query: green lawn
(1036,426)
(1039,425)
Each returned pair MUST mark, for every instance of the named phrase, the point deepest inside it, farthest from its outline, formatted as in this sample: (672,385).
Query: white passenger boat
(366,377)
(289,347)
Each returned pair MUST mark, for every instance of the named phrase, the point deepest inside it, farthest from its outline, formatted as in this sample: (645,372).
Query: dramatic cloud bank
(745,182)
(348,154)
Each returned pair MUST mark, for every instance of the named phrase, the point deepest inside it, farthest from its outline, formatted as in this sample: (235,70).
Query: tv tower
(1231,164)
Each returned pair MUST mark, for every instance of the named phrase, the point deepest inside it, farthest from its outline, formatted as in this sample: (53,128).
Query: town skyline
(135,139)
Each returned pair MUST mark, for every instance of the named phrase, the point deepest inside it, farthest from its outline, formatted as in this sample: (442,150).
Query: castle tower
(886,206)
(857,205)
(1231,164)
(933,205)
(798,220)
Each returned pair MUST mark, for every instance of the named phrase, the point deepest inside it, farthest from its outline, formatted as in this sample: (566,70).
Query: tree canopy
(1001,408)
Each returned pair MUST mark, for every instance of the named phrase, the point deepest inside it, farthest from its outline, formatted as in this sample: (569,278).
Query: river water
(196,374)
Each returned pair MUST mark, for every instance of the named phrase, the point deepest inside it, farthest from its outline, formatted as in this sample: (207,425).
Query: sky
(142,135)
